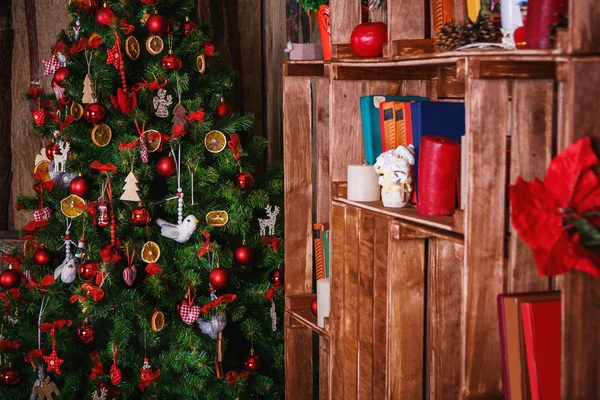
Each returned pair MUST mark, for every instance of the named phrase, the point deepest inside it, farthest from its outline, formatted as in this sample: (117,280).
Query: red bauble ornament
(85,332)
(87,270)
(105,16)
(244,254)
(219,278)
(252,363)
(39,117)
(10,279)
(224,110)
(61,75)
(166,166)
(9,377)
(313,306)
(171,61)
(51,150)
(367,39)
(277,277)
(79,186)
(157,25)
(94,113)
(43,256)
(140,216)
(245,181)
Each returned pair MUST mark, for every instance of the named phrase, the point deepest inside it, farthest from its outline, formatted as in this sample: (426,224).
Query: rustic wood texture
(324,360)
(350,302)
(298,361)
(411,47)
(443,319)
(323,197)
(338,244)
(291,68)
(581,316)
(484,237)
(406,19)
(358,72)
(6,45)
(448,84)
(584,26)
(345,15)
(380,306)
(531,151)
(298,184)
(406,331)
(498,69)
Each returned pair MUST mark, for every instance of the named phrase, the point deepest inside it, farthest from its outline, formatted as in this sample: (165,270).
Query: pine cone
(451,36)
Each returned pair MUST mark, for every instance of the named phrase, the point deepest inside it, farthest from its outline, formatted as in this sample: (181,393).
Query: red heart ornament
(39,117)
(189,313)
(115,375)
(129,275)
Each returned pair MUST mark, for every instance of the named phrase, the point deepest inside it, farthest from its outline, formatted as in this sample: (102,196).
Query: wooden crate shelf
(305,317)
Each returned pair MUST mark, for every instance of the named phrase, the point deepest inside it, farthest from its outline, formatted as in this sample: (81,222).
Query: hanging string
(179,189)
(129,258)
(113,228)
(143,147)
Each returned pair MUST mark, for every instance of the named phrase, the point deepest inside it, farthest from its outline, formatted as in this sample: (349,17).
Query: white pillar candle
(323,301)
(362,183)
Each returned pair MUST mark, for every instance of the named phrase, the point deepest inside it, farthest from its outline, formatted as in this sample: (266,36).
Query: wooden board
(584,26)
(406,19)
(487,112)
(345,15)
(380,308)
(350,303)
(298,361)
(338,244)
(6,45)
(323,198)
(324,360)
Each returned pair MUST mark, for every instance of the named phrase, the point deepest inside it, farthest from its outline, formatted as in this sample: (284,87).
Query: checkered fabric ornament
(53,362)
(113,56)
(42,214)
(59,92)
(189,313)
(50,66)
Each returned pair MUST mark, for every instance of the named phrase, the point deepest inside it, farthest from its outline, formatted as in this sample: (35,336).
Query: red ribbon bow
(46,281)
(32,227)
(226,298)
(35,92)
(97,368)
(4,297)
(103,167)
(234,143)
(61,123)
(15,260)
(153,269)
(207,248)
(154,85)
(33,356)
(233,376)
(209,48)
(196,115)
(94,292)
(270,294)
(128,146)
(126,27)
(59,47)
(271,241)
(7,344)
(56,325)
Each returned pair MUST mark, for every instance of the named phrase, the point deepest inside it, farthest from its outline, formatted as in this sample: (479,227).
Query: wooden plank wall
(6,44)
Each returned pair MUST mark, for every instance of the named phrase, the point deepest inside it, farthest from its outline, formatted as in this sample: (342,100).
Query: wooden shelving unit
(413,298)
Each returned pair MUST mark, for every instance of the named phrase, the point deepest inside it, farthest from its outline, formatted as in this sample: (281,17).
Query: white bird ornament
(179,232)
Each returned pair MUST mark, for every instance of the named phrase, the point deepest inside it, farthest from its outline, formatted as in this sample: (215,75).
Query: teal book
(369,111)
(326,252)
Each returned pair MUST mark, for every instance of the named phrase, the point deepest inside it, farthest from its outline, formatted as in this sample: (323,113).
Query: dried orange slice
(71,206)
(101,135)
(158,321)
(42,168)
(153,140)
(76,111)
(217,218)
(29,247)
(155,45)
(132,47)
(150,252)
(201,64)
(215,141)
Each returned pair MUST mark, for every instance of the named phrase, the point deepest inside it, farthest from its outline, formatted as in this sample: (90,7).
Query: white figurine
(395,168)
(161,102)
(269,222)
(61,159)
(180,233)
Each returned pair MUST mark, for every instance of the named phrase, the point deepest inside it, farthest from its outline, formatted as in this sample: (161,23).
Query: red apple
(367,39)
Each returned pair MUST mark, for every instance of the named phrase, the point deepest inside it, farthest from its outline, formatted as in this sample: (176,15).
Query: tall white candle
(323,301)
(362,183)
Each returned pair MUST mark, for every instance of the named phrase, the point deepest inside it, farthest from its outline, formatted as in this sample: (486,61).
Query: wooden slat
(6,46)
(443,320)
(531,152)
(323,187)
(484,237)
(411,47)
(406,328)
(324,359)
(496,69)
(380,313)
(448,84)
(584,26)
(298,185)
(358,72)
(581,316)
(303,69)
(365,305)
(298,361)
(338,239)
(406,20)
(345,15)
(350,323)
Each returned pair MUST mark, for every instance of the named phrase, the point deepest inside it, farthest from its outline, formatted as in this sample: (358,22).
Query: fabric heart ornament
(42,214)
(39,117)
(115,372)
(129,275)
(124,101)
(189,313)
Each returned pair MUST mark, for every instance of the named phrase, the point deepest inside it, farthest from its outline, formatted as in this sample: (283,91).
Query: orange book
(408,123)
(387,125)
(400,124)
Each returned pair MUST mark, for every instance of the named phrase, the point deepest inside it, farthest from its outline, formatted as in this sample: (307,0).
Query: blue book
(370,122)
(436,119)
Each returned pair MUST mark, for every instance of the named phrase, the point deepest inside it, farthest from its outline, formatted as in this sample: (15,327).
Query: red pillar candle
(438,166)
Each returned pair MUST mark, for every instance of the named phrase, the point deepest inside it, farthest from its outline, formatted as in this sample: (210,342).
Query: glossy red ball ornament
(105,16)
(10,279)
(219,278)
(87,270)
(244,254)
(224,110)
(245,181)
(166,166)
(313,306)
(171,61)
(79,186)
(367,39)
(43,256)
(51,150)
(9,377)
(140,216)
(252,363)
(61,75)
(94,113)
(85,332)
(277,277)
(157,25)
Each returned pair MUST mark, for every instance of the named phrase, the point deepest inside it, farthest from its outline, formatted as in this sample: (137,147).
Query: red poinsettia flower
(543,212)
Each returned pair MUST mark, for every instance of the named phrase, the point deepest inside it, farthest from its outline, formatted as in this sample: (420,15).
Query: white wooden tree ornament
(131,188)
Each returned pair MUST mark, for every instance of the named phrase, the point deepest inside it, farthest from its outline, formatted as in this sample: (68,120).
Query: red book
(542,330)
(541,14)
(408,123)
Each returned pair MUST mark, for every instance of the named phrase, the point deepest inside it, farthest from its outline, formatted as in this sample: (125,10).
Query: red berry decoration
(51,150)
(219,278)
(277,277)
(245,181)
(166,166)
(79,186)
(9,377)
(313,306)
(244,254)
(157,25)
(10,279)
(61,75)
(85,332)
(94,113)
(105,16)
(252,363)
(43,256)
(367,39)
(172,62)
(140,216)
(87,270)
(224,110)
(39,117)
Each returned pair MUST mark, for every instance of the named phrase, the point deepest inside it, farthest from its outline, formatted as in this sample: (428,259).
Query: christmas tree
(174,296)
